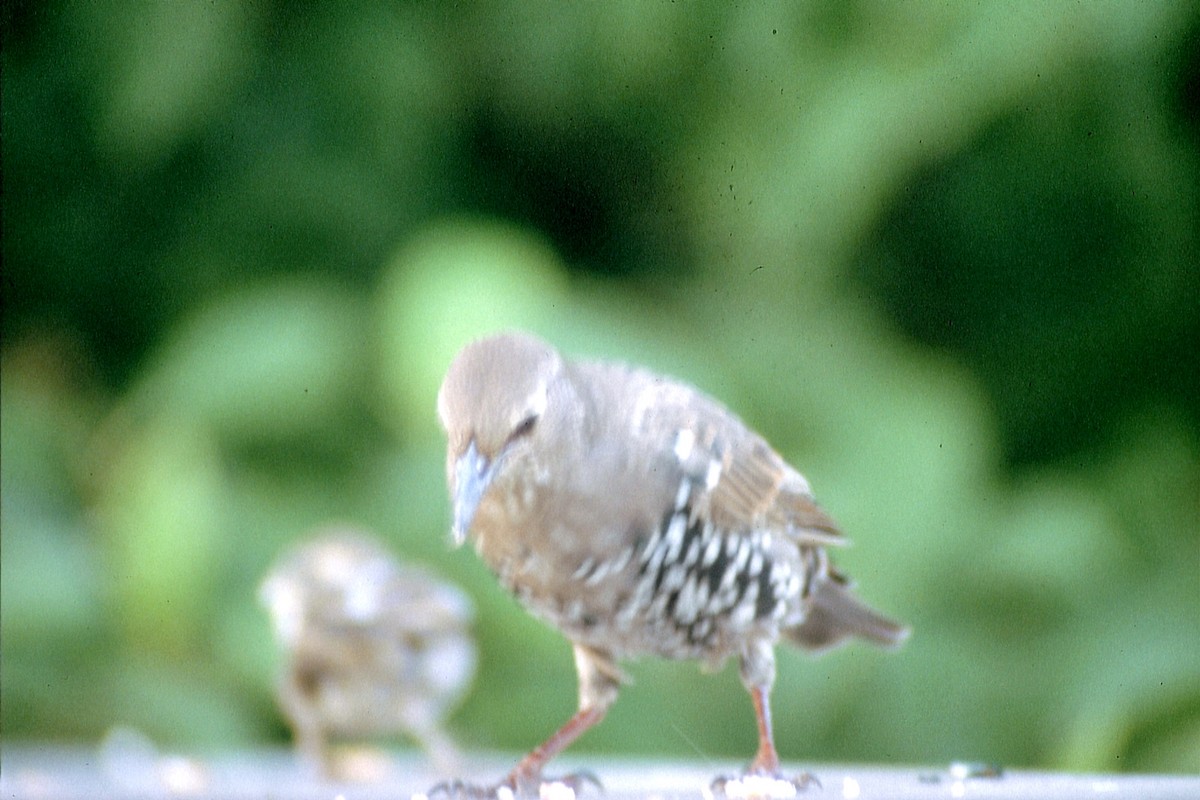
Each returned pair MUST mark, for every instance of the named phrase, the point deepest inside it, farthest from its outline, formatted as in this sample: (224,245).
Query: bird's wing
(735,477)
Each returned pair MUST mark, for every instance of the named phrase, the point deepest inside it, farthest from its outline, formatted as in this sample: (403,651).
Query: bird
(372,647)
(639,517)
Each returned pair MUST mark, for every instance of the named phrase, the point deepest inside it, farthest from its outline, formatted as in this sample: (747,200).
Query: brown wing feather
(754,488)
(757,487)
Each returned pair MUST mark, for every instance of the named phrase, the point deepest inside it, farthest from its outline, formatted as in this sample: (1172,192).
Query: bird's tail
(836,614)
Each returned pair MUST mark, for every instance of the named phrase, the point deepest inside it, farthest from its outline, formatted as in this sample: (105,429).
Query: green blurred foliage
(943,255)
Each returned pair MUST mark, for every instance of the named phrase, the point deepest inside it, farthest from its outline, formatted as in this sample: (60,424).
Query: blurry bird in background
(372,648)
(639,517)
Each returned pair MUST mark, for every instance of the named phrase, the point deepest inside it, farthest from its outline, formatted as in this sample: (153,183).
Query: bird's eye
(525,428)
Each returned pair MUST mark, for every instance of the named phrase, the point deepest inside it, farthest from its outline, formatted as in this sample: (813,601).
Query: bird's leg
(763,777)
(295,692)
(440,749)
(766,762)
(526,777)
(599,682)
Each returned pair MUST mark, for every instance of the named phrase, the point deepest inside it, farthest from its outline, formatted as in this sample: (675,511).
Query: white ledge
(30,772)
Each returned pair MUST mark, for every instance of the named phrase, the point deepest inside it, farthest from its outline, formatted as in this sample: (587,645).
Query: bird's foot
(517,787)
(759,785)
(566,787)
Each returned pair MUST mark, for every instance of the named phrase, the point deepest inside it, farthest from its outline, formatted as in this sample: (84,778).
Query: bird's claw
(760,786)
(455,790)
(517,787)
(566,787)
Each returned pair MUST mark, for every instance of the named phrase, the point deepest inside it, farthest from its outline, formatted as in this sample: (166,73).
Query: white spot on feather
(713,475)
(681,497)
(712,551)
(600,573)
(743,555)
(674,539)
(685,608)
(743,615)
(539,399)
(685,442)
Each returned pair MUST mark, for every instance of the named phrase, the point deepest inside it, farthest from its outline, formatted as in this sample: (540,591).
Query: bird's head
(494,404)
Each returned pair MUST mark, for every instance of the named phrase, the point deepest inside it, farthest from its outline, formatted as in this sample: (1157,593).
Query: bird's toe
(760,786)
(517,787)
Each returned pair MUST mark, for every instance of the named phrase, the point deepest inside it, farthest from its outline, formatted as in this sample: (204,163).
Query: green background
(943,255)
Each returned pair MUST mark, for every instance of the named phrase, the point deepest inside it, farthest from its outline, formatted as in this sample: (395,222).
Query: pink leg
(528,771)
(766,762)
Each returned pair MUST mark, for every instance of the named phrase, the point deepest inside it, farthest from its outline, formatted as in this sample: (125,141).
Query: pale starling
(372,647)
(639,517)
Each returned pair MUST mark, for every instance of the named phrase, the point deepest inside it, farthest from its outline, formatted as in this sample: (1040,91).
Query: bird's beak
(472,476)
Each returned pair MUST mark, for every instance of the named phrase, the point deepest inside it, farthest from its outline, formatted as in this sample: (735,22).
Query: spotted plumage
(639,517)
